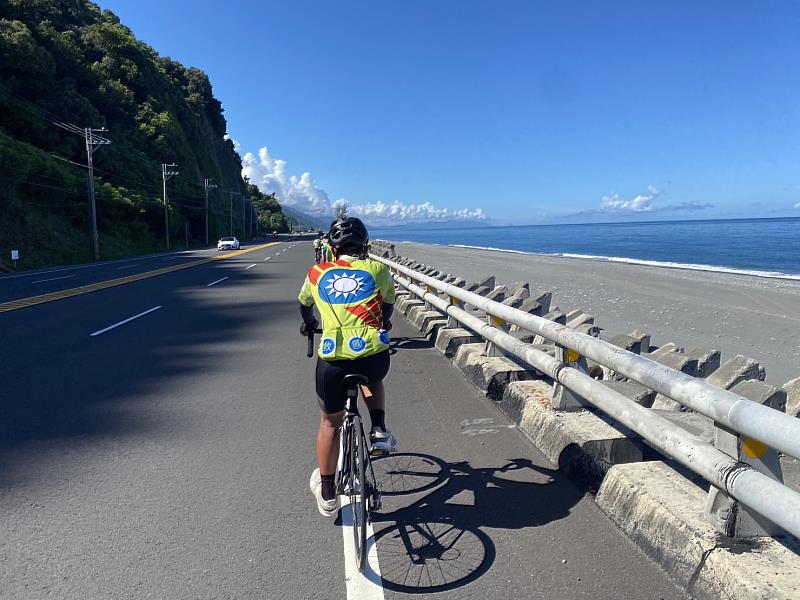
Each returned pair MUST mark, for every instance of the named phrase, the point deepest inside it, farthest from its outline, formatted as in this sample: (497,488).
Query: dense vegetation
(68,61)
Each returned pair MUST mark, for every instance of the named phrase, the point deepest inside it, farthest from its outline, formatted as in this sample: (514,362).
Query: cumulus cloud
(641,203)
(381,212)
(303,194)
(797,205)
(269,174)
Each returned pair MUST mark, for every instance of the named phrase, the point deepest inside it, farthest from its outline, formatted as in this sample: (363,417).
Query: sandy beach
(737,314)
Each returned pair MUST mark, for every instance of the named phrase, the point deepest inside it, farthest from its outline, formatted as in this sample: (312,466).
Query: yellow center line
(102,285)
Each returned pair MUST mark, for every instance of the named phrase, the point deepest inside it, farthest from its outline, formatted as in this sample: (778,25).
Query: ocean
(760,247)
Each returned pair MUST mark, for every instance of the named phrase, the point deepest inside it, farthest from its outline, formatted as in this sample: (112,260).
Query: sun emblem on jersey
(345,286)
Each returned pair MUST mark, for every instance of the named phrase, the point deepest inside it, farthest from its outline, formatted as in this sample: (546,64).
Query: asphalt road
(169,457)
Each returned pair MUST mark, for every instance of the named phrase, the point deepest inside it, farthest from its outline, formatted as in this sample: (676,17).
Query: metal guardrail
(768,497)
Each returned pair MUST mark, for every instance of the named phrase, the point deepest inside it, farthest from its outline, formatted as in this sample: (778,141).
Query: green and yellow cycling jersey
(349,293)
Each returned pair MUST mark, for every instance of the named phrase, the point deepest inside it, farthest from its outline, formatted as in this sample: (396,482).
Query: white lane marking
(53,279)
(360,586)
(128,320)
(267,258)
(250,267)
(217,281)
(127,266)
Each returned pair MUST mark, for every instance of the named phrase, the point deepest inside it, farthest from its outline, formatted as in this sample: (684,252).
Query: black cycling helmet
(348,232)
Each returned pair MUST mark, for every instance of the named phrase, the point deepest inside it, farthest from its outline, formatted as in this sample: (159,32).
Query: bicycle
(355,476)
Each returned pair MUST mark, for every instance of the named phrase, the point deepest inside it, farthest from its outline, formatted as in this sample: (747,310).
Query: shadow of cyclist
(430,534)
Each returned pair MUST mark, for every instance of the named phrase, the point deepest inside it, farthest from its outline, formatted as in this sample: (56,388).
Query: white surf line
(217,281)
(360,586)
(250,267)
(53,279)
(128,320)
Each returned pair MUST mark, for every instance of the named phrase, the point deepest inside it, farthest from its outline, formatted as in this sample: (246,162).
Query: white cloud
(381,212)
(641,203)
(303,194)
(797,205)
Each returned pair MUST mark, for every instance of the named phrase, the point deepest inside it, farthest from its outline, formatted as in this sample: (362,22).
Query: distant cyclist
(355,298)
(318,248)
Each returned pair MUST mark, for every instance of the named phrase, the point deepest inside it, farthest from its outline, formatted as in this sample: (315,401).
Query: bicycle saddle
(355,380)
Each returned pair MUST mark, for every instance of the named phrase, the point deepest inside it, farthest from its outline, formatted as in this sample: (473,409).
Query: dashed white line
(267,258)
(53,279)
(250,267)
(128,320)
(127,266)
(217,281)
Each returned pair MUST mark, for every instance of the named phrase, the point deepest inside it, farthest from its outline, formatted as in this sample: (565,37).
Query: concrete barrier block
(663,350)
(662,512)
(574,314)
(498,294)
(490,374)
(532,307)
(708,361)
(644,339)
(792,389)
(448,340)
(419,318)
(414,310)
(544,298)
(763,393)
(583,443)
(405,305)
(626,342)
(582,319)
(589,329)
(488,282)
(471,286)
(736,369)
(635,391)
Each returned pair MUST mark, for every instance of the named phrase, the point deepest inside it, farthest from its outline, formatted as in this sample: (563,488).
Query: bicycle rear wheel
(359,491)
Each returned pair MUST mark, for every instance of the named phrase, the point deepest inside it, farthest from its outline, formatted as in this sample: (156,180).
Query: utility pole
(230,196)
(166,175)
(244,231)
(93,141)
(208,186)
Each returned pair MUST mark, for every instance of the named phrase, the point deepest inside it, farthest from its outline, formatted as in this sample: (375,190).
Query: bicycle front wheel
(359,492)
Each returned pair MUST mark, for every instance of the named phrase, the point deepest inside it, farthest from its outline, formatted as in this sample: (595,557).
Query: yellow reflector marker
(753,448)
(497,322)
(571,356)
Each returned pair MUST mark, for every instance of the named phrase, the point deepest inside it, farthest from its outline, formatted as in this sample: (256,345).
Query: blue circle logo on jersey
(383,336)
(346,286)
(328,346)
(357,344)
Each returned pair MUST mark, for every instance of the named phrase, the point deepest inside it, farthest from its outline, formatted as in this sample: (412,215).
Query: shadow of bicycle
(429,535)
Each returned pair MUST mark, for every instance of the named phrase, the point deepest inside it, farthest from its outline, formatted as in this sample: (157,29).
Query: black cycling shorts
(331,390)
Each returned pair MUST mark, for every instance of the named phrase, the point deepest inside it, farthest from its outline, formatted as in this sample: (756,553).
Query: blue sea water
(761,247)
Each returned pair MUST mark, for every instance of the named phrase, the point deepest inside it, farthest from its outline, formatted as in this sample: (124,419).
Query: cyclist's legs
(328,442)
(376,400)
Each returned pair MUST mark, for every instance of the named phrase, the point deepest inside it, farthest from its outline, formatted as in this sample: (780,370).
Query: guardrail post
(489,349)
(727,515)
(452,323)
(564,399)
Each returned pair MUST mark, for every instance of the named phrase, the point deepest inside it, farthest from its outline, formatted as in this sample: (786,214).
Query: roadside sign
(15,255)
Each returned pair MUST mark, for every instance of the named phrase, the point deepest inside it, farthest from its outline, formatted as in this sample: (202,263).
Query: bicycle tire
(359,492)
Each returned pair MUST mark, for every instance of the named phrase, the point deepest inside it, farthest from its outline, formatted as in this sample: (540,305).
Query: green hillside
(68,63)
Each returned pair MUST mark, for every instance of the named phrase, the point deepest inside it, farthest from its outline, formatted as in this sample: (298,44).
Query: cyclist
(355,298)
(318,248)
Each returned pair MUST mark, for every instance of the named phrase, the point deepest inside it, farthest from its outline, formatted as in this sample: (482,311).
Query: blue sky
(528,111)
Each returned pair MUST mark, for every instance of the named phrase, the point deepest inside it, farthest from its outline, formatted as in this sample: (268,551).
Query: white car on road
(228,243)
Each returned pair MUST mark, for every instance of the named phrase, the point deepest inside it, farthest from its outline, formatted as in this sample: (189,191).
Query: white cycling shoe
(327,508)
(382,442)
